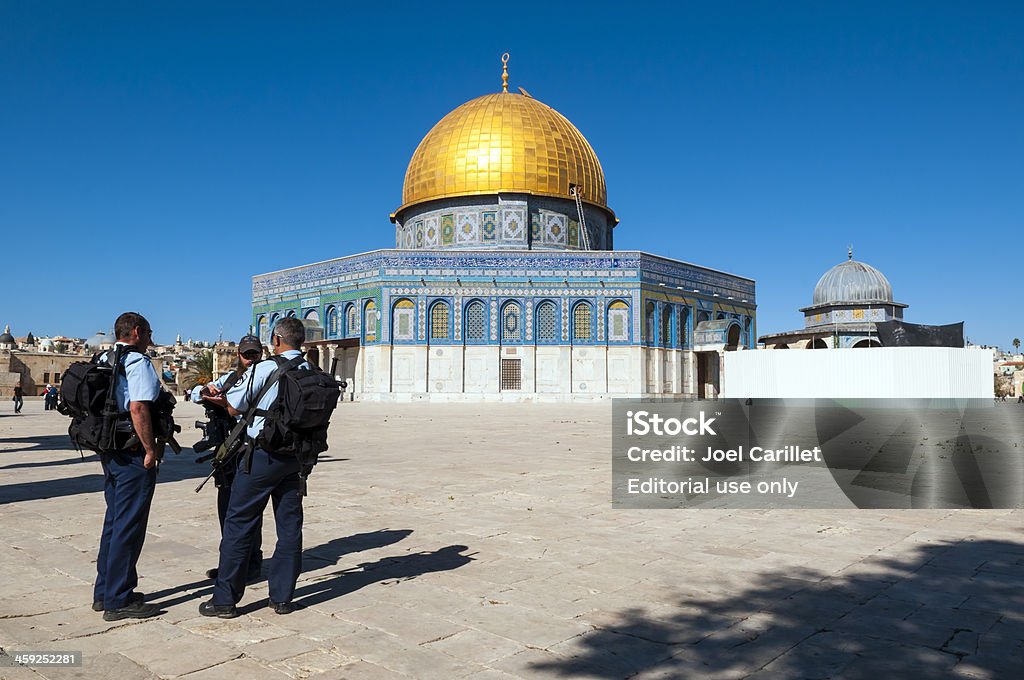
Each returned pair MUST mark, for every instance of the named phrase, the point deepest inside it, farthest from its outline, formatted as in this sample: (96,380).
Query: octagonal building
(503,283)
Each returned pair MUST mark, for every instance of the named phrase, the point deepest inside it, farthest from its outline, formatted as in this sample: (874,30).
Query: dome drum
(503,220)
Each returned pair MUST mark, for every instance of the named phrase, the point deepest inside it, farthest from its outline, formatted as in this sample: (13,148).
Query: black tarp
(902,334)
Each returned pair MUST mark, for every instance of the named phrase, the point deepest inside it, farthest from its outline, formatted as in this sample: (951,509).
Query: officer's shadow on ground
(174,468)
(339,583)
(312,559)
(950,605)
(39,444)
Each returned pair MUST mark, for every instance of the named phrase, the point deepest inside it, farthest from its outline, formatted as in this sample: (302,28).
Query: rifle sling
(245,422)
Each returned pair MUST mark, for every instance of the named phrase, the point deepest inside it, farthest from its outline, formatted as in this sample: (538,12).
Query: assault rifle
(228,452)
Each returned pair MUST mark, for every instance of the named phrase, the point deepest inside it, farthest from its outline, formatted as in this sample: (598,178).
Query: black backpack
(296,423)
(85,396)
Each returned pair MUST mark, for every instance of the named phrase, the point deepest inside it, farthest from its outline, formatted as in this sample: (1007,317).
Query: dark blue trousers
(274,478)
(223,500)
(128,491)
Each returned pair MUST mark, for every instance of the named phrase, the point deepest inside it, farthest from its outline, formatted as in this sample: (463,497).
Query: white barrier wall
(896,372)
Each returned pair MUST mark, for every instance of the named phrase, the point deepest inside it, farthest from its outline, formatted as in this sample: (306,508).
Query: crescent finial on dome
(849,252)
(504,72)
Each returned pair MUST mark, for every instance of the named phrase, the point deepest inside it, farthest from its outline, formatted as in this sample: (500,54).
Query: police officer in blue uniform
(261,476)
(250,350)
(129,478)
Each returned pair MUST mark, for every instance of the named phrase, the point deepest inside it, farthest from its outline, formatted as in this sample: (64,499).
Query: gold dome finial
(504,72)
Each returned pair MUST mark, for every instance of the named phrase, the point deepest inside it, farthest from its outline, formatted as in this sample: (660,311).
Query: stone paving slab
(468,541)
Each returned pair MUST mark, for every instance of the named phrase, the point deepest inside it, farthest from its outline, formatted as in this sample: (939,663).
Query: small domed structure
(98,341)
(852,282)
(7,340)
(849,300)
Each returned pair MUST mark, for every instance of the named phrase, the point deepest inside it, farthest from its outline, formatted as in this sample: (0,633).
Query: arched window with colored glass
(332,322)
(370,322)
(440,316)
(351,321)
(582,322)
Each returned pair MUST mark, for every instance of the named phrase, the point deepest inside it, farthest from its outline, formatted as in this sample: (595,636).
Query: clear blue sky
(154,156)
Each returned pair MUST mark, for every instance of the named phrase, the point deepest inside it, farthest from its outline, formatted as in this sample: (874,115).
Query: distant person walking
(19,399)
(51,396)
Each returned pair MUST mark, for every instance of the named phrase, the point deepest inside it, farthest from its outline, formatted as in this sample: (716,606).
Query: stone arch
(867,342)
(732,337)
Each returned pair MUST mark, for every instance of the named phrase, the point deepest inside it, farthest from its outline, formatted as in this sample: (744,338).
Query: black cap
(249,343)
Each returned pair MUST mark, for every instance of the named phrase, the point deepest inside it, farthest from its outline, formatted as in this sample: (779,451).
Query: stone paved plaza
(479,541)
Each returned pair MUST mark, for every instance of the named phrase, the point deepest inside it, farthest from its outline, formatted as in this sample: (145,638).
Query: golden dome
(503,142)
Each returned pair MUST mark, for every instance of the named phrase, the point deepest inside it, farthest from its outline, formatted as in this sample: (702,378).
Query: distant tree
(30,339)
(58,347)
(1016,344)
(202,368)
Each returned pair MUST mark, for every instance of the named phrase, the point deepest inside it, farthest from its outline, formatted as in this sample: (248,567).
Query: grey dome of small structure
(6,338)
(852,281)
(99,339)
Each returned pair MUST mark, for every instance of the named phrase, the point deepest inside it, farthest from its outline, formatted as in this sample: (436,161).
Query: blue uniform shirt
(249,385)
(142,383)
